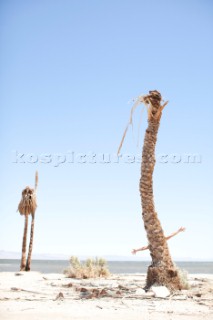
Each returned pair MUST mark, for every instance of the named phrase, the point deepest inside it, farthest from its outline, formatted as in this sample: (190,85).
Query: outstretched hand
(134,251)
(182,229)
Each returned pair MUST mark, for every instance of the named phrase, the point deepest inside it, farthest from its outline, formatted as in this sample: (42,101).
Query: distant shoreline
(116,267)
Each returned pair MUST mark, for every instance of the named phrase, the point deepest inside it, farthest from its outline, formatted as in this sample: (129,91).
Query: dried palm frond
(151,101)
(28,204)
(139,126)
(36,181)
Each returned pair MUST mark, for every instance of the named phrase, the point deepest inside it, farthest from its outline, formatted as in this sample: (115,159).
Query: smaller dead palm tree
(28,206)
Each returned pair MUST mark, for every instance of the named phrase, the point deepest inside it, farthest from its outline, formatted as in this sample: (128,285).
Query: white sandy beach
(35,295)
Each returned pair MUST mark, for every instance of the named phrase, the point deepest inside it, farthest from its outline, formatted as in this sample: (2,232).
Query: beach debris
(59,296)
(27,309)
(180,297)
(140,292)
(53,284)
(82,289)
(68,285)
(193,284)
(121,287)
(19,274)
(198,295)
(100,288)
(161,292)
(55,279)
(99,307)
(15,289)
(89,290)
(29,291)
(89,293)
(4,299)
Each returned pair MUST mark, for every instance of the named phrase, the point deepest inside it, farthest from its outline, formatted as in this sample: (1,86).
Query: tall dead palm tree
(162,270)
(22,208)
(34,206)
(27,206)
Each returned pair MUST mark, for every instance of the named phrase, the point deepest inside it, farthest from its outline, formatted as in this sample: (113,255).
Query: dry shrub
(183,276)
(91,268)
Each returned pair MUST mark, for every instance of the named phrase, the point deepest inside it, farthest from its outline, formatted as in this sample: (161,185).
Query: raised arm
(134,251)
(181,229)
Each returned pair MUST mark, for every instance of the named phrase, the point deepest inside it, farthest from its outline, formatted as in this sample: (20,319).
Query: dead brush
(91,268)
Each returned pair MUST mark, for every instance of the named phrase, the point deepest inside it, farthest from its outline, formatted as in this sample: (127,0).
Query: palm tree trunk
(24,244)
(162,270)
(31,243)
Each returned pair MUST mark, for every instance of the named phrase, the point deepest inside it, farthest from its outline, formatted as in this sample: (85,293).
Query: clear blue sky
(68,70)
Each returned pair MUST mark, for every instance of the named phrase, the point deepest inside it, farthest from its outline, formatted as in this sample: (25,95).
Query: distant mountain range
(47,256)
(37,256)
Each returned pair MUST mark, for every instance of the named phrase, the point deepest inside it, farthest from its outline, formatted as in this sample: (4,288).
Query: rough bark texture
(24,245)
(31,244)
(28,205)
(162,270)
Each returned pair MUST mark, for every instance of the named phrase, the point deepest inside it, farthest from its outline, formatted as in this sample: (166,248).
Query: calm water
(57,266)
